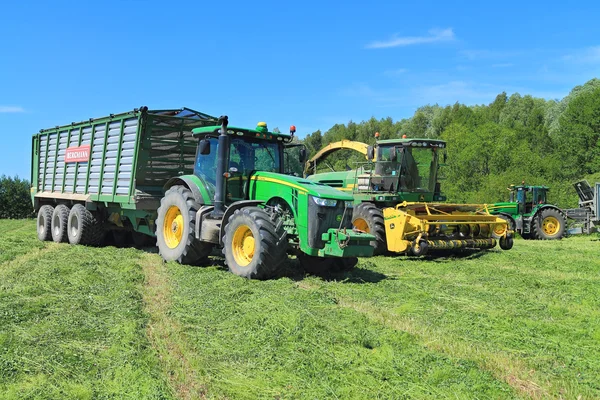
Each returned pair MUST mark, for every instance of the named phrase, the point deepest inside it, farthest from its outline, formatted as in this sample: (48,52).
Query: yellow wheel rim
(550,226)
(500,229)
(243,245)
(361,224)
(173,227)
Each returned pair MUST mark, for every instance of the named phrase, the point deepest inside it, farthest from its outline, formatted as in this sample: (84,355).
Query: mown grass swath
(519,324)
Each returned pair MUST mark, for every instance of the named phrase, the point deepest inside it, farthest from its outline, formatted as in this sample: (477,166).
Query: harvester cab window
(419,167)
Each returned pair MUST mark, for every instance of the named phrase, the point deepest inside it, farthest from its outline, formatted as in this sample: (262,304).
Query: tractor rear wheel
(176,225)
(44,223)
(59,223)
(83,227)
(255,243)
(368,218)
(549,224)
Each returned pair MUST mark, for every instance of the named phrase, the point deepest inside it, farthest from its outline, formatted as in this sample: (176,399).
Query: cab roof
(260,132)
(435,142)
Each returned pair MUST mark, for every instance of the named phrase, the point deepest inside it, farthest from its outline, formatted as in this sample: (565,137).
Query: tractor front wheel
(368,218)
(255,243)
(175,228)
(549,224)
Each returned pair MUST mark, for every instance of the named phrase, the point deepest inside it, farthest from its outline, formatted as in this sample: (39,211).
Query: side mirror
(370,153)
(445,156)
(204,147)
(393,154)
(302,156)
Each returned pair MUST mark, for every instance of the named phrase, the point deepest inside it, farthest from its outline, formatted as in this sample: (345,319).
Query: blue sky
(308,63)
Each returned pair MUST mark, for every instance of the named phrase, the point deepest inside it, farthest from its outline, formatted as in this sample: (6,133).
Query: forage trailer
(190,183)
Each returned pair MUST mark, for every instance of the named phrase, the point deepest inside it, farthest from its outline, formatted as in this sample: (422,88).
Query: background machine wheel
(369,218)
(549,224)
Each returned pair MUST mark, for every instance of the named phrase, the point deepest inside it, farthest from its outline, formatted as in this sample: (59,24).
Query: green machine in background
(397,198)
(189,183)
(528,213)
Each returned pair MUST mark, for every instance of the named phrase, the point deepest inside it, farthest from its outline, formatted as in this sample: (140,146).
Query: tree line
(15,201)
(513,139)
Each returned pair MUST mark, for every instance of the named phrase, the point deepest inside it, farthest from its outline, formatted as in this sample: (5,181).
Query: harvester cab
(239,198)
(529,213)
(398,199)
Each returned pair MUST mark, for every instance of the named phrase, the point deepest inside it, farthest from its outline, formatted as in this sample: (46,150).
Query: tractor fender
(231,209)
(189,183)
(538,212)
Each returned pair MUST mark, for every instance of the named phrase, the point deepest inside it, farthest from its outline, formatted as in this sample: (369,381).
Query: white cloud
(394,72)
(488,54)
(11,109)
(590,55)
(435,35)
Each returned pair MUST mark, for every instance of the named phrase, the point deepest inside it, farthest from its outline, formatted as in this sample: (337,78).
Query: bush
(15,200)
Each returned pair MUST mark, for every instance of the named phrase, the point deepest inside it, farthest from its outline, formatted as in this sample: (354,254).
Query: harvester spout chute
(311,165)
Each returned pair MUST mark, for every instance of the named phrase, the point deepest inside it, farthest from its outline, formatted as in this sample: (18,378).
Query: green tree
(15,200)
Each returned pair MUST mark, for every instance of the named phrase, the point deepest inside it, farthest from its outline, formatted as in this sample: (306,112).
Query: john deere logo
(422,197)
(338,218)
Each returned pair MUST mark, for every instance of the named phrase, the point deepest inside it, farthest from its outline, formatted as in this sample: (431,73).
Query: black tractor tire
(344,264)
(316,265)
(141,240)
(367,217)
(549,224)
(83,227)
(183,247)
(255,243)
(120,238)
(44,223)
(58,225)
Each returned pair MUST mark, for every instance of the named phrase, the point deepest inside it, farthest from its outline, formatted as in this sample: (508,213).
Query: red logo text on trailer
(78,154)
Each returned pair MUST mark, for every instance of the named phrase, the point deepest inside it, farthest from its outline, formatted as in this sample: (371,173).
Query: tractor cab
(528,197)
(250,150)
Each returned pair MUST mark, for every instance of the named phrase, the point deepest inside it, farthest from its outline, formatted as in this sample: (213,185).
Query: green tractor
(191,184)
(528,213)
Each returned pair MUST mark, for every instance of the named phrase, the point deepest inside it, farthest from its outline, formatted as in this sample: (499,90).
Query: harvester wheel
(175,228)
(59,223)
(549,224)
(506,242)
(419,248)
(255,243)
(368,218)
(44,223)
(83,227)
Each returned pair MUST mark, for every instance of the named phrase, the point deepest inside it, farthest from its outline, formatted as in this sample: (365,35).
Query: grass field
(99,323)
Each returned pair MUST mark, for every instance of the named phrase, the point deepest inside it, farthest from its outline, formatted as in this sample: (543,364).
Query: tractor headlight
(325,202)
(349,204)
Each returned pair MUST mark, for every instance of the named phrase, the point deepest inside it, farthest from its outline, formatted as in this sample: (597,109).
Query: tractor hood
(303,185)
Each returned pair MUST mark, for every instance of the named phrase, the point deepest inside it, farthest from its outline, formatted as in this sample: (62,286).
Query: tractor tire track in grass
(165,333)
(502,366)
